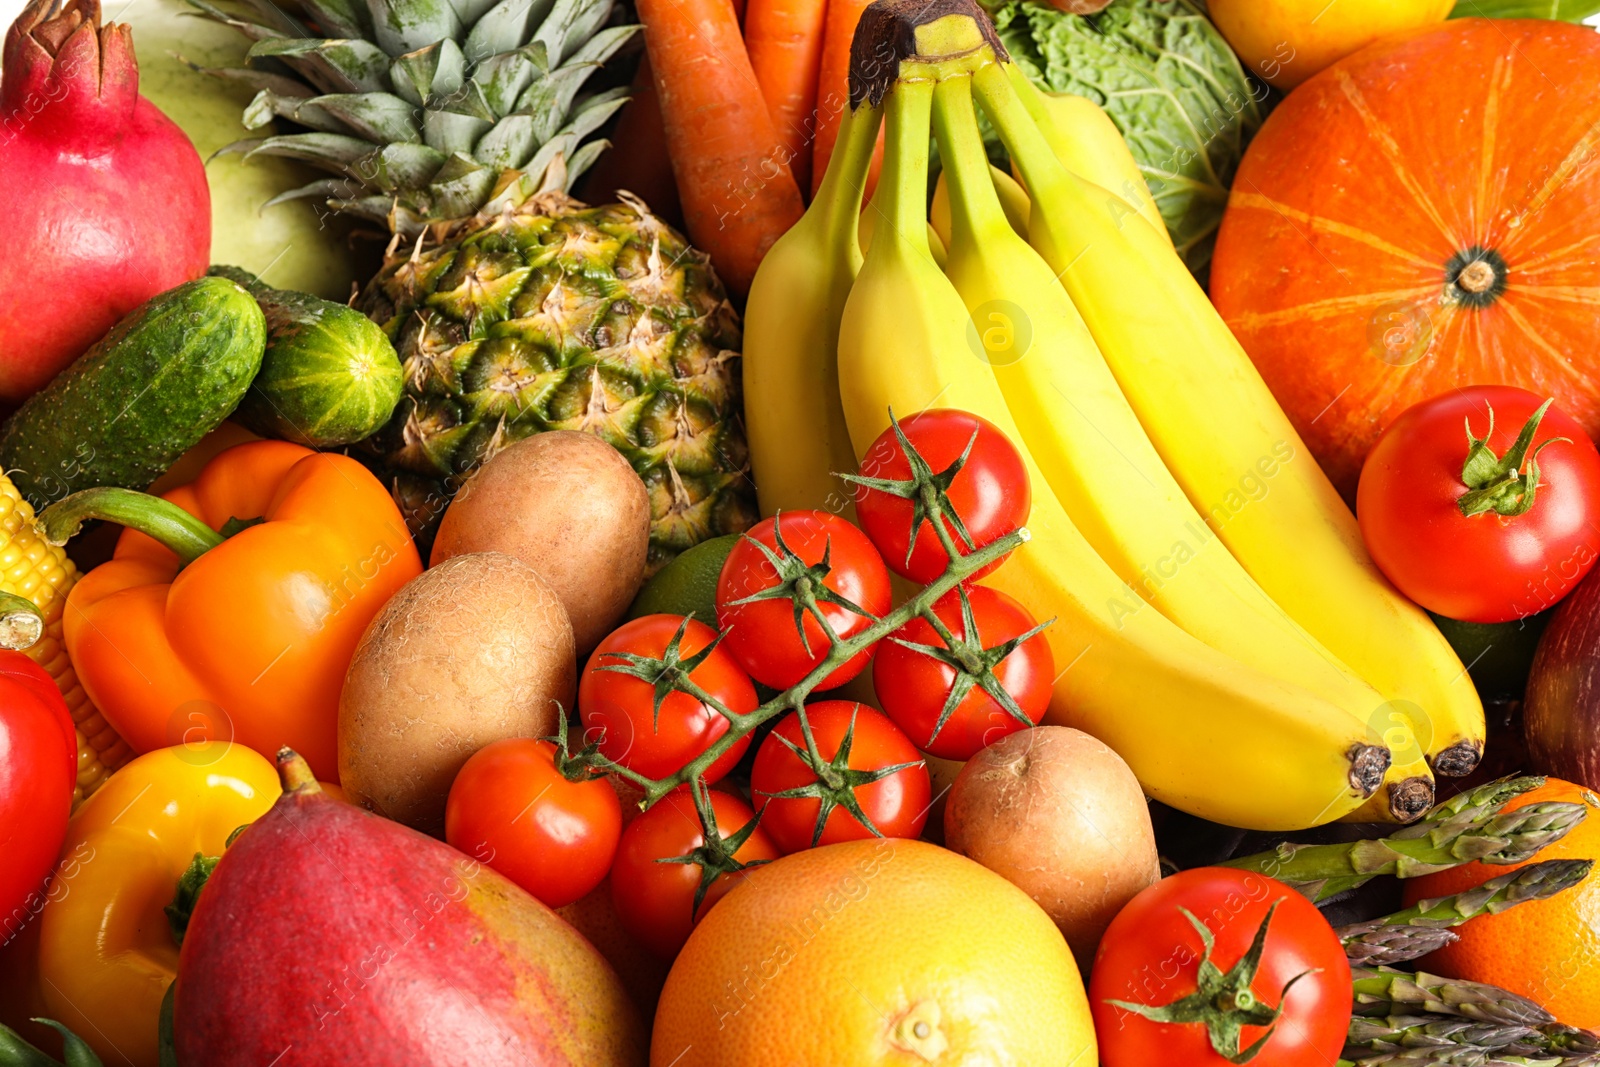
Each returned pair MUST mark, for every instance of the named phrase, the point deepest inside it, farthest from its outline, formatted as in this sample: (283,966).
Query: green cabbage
(1566,10)
(1170,83)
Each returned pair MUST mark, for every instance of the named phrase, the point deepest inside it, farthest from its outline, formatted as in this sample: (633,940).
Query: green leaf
(1564,10)
(1169,82)
(15,1052)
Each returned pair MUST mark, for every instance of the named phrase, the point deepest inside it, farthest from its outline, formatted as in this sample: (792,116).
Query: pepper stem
(166,522)
(21,625)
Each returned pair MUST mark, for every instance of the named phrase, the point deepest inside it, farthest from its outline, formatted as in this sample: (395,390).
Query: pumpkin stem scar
(1477,277)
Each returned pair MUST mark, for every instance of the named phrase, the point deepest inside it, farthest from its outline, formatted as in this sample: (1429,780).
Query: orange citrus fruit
(889,952)
(1546,950)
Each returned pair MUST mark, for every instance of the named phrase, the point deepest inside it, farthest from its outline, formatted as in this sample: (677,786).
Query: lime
(688,584)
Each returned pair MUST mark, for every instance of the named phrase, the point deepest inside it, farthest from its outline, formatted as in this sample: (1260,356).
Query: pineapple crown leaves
(670,672)
(974,665)
(1505,484)
(927,491)
(803,584)
(1224,1002)
(423,109)
(836,781)
(715,856)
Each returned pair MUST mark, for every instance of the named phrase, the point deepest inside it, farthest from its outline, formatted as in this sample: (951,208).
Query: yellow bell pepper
(106,953)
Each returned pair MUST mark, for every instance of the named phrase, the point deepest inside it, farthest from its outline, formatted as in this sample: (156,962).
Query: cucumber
(329,377)
(124,411)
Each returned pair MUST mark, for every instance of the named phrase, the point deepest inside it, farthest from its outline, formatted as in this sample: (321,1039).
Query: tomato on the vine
(999,655)
(988,490)
(618,709)
(658,896)
(1292,996)
(880,778)
(775,568)
(1489,523)
(512,808)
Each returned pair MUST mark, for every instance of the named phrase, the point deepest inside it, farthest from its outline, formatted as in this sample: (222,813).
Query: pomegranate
(331,935)
(104,198)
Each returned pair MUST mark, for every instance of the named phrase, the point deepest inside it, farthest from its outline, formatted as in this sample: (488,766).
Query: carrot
(785,42)
(731,166)
(641,164)
(833,88)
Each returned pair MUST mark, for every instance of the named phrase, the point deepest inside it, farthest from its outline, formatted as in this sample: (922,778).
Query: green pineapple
(515,309)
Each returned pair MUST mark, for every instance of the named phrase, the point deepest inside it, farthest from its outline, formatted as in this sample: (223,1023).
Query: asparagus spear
(1421,928)
(1450,1037)
(1467,827)
(1385,991)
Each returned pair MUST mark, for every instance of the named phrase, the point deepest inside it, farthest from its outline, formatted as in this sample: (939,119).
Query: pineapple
(515,309)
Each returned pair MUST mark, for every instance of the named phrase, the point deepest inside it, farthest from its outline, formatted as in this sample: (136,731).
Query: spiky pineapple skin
(555,316)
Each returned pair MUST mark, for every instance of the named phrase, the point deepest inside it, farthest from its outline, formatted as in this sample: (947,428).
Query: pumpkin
(1422,215)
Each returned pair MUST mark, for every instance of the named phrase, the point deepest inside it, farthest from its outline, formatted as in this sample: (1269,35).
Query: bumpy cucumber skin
(330,376)
(143,395)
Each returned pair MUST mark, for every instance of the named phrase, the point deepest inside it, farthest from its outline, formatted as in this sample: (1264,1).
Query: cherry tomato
(655,899)
(1150,956)
(895,802)
(990,494)
(762,633)
(513,809)
(1521,550)
(914,686)
(38,768)
(618,710)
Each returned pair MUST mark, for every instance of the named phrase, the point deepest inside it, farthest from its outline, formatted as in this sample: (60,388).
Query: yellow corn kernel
(43,573)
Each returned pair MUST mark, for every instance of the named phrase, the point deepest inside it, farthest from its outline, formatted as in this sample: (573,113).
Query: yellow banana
(1102,467)
(1202,732)
(1013,201)
(796,429)
(1088,143)
(1221,433)
(869,223)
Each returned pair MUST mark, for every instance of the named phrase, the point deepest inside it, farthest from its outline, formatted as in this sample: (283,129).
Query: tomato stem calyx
(715,857)
(836,781)
(803,585)
(1223,1002)
(1500,483)
(927,491)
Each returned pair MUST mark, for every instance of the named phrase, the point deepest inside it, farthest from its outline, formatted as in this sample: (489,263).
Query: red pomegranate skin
(104,197)
(331,936)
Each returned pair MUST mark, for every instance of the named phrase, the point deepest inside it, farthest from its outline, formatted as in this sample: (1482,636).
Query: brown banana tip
(1408,800)
(1459,760)
(886,35)
(1368,765)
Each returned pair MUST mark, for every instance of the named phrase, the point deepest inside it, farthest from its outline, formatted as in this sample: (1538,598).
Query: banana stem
(1047,180)
(976,215)
(901,201)
(838,200)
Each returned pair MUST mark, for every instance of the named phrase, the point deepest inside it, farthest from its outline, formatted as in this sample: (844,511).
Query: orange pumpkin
(1421,216)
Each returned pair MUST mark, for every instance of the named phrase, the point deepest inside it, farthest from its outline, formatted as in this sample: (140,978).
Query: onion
(104,198)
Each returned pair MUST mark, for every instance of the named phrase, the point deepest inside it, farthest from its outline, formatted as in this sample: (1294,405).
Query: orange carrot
(731,166)
(638,160)
(785,42)
(833,88)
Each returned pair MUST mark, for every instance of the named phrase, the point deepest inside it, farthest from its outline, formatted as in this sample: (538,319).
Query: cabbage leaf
(1169,82)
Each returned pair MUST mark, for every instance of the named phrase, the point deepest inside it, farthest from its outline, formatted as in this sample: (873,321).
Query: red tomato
(618,710)
(38,767)
(896,803)
(655,899)
(914,686)
(1496,565)
(1151,953)
(762,633)
(513,809)
(990,494)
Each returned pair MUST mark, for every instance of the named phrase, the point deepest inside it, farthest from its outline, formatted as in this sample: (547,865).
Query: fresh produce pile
(800,531)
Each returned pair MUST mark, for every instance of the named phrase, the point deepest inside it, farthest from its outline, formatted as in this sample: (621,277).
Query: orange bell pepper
(232,605)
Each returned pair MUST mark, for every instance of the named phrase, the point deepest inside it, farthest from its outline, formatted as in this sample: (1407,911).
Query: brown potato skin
(472,651)
(1059,815)
(568,505)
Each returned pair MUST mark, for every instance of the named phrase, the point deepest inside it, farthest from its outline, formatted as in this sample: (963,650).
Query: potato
(1059,815)
(472,651)
(568,505)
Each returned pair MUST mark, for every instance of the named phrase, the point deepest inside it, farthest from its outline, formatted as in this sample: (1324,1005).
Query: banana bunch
(1216,619)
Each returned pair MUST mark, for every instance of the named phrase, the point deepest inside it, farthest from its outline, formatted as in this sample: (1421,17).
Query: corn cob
(42,573)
